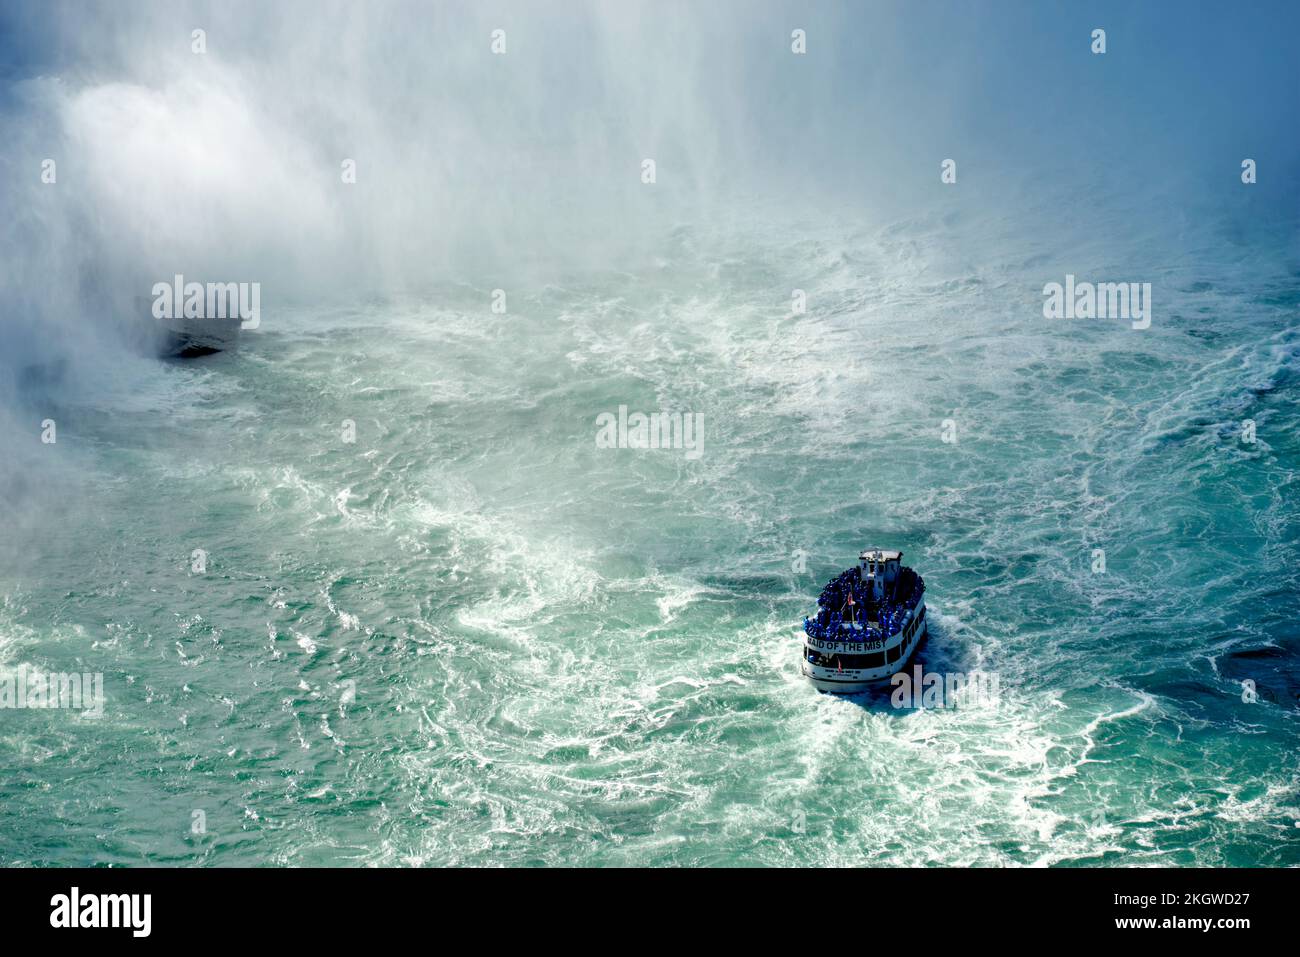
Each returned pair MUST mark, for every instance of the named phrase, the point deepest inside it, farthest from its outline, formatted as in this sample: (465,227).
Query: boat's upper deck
(853,607)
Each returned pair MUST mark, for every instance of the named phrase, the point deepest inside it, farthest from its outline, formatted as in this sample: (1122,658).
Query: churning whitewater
(436,622)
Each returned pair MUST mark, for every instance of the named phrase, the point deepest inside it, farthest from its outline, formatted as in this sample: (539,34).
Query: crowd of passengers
(844,600)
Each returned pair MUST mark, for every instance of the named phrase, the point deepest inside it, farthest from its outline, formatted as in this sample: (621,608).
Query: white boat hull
(833,677)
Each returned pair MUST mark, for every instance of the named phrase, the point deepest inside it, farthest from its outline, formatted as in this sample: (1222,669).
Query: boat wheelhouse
(869,621)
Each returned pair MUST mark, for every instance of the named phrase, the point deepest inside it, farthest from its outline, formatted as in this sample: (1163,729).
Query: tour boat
(868,623)
(185,338)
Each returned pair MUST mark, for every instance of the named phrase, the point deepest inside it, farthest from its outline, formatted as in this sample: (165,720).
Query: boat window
(848,662)
(894,652)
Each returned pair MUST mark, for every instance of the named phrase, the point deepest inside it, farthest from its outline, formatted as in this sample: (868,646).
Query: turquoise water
(472,637)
